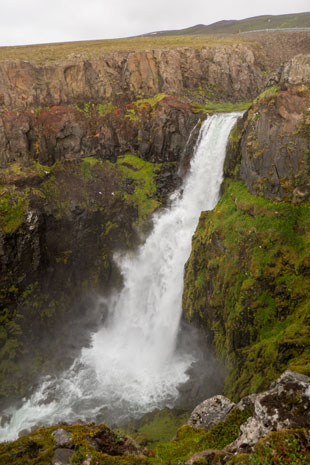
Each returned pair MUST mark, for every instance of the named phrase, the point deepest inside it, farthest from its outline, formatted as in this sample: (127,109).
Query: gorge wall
(247,279)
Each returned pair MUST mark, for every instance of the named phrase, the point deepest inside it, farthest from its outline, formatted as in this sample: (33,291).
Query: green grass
(220,107)
(245,25)
(45,53)
(190,440)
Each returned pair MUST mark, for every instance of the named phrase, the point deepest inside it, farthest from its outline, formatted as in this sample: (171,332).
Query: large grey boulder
(285,405)
(210,412)
(62,438)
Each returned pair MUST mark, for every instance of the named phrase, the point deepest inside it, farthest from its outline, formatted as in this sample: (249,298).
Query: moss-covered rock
(247,281)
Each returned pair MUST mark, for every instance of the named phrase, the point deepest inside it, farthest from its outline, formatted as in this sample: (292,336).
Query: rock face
(297,70)
(229,71)
(156,132)
(275,151)
(275,144)
(210,412)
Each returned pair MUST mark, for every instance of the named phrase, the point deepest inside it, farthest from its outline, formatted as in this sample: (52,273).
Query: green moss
(157,426)
(13,207)
(190,440)
(220,107)
(143,174)
(134,110)
(267,95)
(255,256)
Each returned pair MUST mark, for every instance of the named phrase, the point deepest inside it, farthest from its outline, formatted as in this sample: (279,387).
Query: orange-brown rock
(233,72)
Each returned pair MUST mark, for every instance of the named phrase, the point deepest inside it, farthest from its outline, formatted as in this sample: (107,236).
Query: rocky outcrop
(234,72)
(275,150)
(156,131)
(210,412)
(285,406)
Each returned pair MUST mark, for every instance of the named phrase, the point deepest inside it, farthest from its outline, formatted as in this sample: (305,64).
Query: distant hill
(257,23)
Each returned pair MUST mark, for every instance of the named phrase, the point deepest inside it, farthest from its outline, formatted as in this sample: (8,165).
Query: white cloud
(34,21)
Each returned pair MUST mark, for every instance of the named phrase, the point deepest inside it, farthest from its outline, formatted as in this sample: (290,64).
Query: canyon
(90,147)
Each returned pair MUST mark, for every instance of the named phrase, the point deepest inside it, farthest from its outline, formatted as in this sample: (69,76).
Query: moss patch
(143,193)
(253,255)
(157,426)
(220,107)
(190,440)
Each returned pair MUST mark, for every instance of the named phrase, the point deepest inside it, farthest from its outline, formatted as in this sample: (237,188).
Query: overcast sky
(41,21)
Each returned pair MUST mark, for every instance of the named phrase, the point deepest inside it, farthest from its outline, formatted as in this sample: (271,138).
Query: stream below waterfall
(133,364)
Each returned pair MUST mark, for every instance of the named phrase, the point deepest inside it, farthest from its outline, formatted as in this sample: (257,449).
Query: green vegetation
(43,53)
(135,108)
(12,211)
(284,447)
(245,25)
(190,440)
(38,447)
(255,253)
(143,174)
(157,426)
(88,109)
(220,107)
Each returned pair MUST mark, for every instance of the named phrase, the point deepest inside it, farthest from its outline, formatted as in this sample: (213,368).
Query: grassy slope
(45,53)
(297,20)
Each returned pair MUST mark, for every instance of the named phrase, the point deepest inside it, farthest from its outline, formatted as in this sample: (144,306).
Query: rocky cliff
(230,72)
(69,197)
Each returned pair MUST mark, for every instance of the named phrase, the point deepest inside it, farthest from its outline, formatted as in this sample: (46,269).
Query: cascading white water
(132,365)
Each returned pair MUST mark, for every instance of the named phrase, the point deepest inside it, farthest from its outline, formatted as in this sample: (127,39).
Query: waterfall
(132,365)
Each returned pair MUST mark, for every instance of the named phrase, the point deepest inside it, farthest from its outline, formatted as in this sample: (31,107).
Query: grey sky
(40,21)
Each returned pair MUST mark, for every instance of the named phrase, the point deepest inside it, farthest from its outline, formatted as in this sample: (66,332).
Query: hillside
(257,23)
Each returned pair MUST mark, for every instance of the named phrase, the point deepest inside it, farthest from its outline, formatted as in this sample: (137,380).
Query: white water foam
(132,365)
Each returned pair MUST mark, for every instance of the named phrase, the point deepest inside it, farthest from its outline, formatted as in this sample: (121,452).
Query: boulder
(210,412)
(285,405)
(62,438)
(62,456)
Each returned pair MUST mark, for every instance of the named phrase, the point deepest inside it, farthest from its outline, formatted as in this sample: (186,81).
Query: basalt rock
(275,151)
(224,71)
(156,133)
